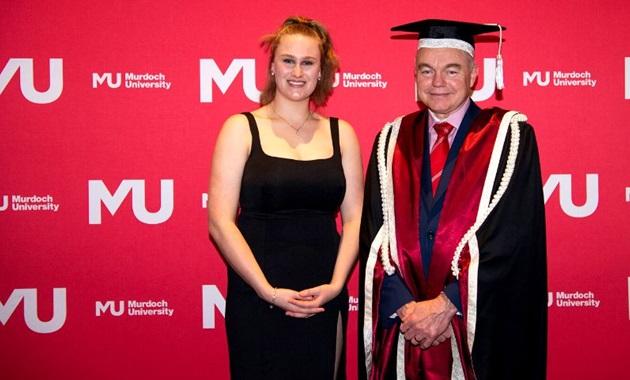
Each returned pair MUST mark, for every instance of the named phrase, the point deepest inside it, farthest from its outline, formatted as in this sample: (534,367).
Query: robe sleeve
(511,310)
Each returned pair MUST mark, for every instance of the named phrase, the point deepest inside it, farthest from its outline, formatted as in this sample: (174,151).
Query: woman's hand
(311,301)
(295,304)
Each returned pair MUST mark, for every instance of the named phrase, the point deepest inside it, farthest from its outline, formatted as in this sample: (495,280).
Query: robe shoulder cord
(387,193)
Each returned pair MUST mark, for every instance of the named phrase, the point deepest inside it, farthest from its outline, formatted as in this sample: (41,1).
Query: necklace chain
(297,130)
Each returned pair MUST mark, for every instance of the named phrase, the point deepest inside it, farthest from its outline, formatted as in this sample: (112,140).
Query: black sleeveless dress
(288,218)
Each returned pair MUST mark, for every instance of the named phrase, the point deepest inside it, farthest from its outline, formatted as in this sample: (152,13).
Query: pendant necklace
(297,130)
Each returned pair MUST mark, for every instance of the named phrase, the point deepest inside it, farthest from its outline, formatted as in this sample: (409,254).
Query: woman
(284,171)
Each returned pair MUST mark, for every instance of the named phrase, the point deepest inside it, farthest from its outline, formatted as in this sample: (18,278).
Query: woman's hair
(329,60)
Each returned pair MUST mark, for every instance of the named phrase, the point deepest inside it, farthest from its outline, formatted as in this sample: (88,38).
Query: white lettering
(575,295)
(98,80)
(210,73)
(211,300)
(32,199)
(145,77)
(337,80)
(153,312)
(362,76)
(627,76)
(27,82)
(353,303)
(564,303)
(30,310)
(150,85)
(35,207)
(574,299)
(33,203)
(363,80)
(98,193)
(204,200)
(529,78)
(564,183)
(134,304)
(574,83)
(489,71)
(100,308)
(571,75)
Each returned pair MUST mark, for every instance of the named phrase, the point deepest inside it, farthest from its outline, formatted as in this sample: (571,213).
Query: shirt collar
(454,119)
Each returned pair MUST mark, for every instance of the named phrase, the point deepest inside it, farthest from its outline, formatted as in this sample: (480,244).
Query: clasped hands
(427,323)
(304,303)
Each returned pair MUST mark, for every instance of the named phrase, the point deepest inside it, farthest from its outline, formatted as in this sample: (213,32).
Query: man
(453,246)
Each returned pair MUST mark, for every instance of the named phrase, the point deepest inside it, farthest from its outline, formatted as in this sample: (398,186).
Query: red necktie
(439,152)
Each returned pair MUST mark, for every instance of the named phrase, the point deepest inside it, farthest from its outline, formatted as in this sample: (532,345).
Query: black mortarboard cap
(439,29)
(434,33)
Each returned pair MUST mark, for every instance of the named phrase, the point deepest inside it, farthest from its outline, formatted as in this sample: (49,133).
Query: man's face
(444,78)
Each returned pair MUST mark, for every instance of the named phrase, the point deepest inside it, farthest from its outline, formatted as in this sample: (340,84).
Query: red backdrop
(109,112)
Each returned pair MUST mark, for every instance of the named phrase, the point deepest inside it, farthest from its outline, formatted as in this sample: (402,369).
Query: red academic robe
(502,333)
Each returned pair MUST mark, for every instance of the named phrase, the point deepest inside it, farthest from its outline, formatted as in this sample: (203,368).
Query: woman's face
(297,66)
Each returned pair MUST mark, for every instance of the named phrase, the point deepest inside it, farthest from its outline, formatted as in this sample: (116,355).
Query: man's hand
(427,323)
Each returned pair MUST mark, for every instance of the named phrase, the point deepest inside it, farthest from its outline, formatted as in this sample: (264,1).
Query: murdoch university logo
(135,308)
(573,299)
(363,80)
(99,194)
(560,79)
(209,73)
(31,316)
(132,80)
(27,80)
(29,203)
(564,183)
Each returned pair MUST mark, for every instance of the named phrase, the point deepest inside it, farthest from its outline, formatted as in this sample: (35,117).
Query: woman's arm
(228,161)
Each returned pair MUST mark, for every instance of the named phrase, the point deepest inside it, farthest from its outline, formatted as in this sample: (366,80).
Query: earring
(319,77)
(273,73)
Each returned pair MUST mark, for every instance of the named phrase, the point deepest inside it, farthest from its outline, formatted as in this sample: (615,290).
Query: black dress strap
(253,128)
(334,133)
